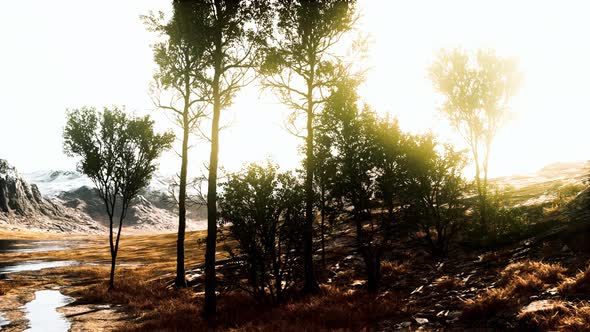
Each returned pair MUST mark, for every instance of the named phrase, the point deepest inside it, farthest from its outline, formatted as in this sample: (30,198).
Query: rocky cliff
(153,210)
(23,206)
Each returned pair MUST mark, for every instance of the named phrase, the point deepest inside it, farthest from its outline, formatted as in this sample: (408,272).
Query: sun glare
(549,113)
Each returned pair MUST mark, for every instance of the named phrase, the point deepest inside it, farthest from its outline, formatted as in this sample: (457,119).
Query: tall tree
(357,154)
(301,66)
(118,153)
(478,88)
(227,35)
(179,63)
(325,171)
(435,191)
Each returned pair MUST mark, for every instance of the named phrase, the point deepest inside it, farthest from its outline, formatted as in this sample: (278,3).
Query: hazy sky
(65,54)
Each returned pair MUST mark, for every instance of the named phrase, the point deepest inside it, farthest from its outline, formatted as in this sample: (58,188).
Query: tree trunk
(180,281)
(311,284)
(112,275)
(480,193)
(373,264)
(113,255)
(124,206)
(210,279)
(322,227)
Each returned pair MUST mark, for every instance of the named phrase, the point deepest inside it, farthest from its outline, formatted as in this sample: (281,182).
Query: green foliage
(265,214)
(226,36)
(301,68)
(118,153)
(435,190)
(391,162)
(478,89)
(506,223)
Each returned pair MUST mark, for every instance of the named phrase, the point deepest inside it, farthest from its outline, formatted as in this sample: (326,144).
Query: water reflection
(29,246)
(32,266)
(3,321)
(42,314)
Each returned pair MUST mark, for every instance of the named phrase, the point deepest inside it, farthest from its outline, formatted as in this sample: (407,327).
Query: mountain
(153,210)
(23,207)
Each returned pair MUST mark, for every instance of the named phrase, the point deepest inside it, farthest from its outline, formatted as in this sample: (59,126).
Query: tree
(354,134)
(118,153)
(300,68)
(227,35)
(325,171)
(264,211)
(391,163)
(435,191)
(478,89)
(178,62)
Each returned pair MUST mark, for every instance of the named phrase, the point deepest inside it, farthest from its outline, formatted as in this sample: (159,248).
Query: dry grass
(393,268)
(157,308)
(562,317)
(518,281)
(153,307)
(576,319)
(333,309)
(447,283)
(544,319)
(580,284)
(489,256)
(545,273)
(4,287)
(487,305)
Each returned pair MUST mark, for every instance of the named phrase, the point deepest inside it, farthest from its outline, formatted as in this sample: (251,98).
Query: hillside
(23,207)
(65,201)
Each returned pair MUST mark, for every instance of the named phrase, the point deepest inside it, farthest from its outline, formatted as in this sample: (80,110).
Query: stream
(41,313)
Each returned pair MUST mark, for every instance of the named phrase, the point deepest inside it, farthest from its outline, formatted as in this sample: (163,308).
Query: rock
(454,314)
(417,290)
(22,205)
(421,321)
(540,305)
(406,324)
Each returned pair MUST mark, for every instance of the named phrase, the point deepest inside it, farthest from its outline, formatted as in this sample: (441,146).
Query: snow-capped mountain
(52,183)
(23,207)
(153,209)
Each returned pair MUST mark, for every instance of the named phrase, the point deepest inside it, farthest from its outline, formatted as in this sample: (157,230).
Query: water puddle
(32,266)
(3,321)
(31,246)
(42,314)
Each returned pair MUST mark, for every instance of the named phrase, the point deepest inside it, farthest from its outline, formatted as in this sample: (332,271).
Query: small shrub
(265,213)
(545,273)
(447,283)
(487,305)
(517,282)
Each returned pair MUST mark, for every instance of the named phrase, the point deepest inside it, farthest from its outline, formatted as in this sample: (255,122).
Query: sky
(65,54)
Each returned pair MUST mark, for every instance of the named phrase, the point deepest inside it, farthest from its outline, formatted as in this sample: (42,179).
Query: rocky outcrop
(153,210)
(19,197)
(66,200)
(142,213)
(23,206)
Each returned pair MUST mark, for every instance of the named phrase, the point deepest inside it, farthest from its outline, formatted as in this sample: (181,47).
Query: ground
(482,289)
(538,282)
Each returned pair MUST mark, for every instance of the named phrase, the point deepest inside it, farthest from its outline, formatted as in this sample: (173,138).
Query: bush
(435,189)
(265,214)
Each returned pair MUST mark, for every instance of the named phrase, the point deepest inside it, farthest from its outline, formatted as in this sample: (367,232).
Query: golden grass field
(144,303)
